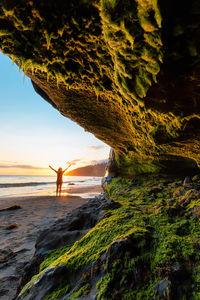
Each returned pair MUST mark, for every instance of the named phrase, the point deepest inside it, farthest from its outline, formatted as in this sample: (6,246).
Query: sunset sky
(33,134)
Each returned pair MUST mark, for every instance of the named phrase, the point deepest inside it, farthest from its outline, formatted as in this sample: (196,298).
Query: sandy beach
(37,213)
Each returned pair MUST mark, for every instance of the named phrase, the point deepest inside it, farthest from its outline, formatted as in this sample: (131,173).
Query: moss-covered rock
(147,248)
(127,71)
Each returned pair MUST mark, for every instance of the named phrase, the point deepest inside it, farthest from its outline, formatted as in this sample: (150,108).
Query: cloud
(8,161)
(21,167)
(74,161)
(96,148)
(96,162)
(82,162)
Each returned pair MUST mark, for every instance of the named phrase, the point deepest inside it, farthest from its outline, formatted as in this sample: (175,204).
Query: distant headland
(90,170)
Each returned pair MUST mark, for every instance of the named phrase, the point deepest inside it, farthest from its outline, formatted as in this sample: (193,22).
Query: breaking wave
(21,184)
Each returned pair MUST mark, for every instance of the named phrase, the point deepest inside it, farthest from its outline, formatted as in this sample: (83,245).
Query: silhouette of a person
(59,181)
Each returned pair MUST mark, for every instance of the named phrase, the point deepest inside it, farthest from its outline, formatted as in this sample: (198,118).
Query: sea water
(13,186)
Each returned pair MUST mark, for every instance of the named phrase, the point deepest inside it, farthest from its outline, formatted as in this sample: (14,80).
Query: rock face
(64,232)
(127,71)
(141,244)
(111,167)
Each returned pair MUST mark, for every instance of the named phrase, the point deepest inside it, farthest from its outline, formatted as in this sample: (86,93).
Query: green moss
(193,203)
(52,256)
(111,52)
(127,166)
(160,240)
(153,68)
(103,286)
(196,177)
(174,244)
(58,293)
(4,32)
(29,284)
(83,291)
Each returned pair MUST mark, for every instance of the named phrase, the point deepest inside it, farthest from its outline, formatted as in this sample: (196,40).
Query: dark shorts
(59,182)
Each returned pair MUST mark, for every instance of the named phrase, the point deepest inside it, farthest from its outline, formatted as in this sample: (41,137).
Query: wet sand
(37,213)
(96,189)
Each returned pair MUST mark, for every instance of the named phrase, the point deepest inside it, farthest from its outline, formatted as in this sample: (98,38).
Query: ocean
(15,186)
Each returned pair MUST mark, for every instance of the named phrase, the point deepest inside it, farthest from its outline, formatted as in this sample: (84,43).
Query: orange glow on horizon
(32,170)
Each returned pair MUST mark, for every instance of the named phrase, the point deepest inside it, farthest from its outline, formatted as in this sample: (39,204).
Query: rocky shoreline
(36,213)
(65,231)
(140,240)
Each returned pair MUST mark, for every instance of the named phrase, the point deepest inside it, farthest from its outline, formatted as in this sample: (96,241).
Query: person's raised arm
(52,169)
(67,168)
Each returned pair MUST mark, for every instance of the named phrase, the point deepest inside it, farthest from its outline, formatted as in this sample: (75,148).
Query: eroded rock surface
(126,71)
(64,232)
(144,244)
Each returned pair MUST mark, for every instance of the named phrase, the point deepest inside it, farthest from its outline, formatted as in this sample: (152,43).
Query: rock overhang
(127,71)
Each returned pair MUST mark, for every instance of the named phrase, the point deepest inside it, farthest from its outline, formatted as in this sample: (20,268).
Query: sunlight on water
(11,185)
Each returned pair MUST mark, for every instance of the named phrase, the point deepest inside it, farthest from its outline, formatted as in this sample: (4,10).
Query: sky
(34,135)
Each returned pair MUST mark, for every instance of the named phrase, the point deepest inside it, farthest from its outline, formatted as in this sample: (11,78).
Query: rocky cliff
(127,71)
